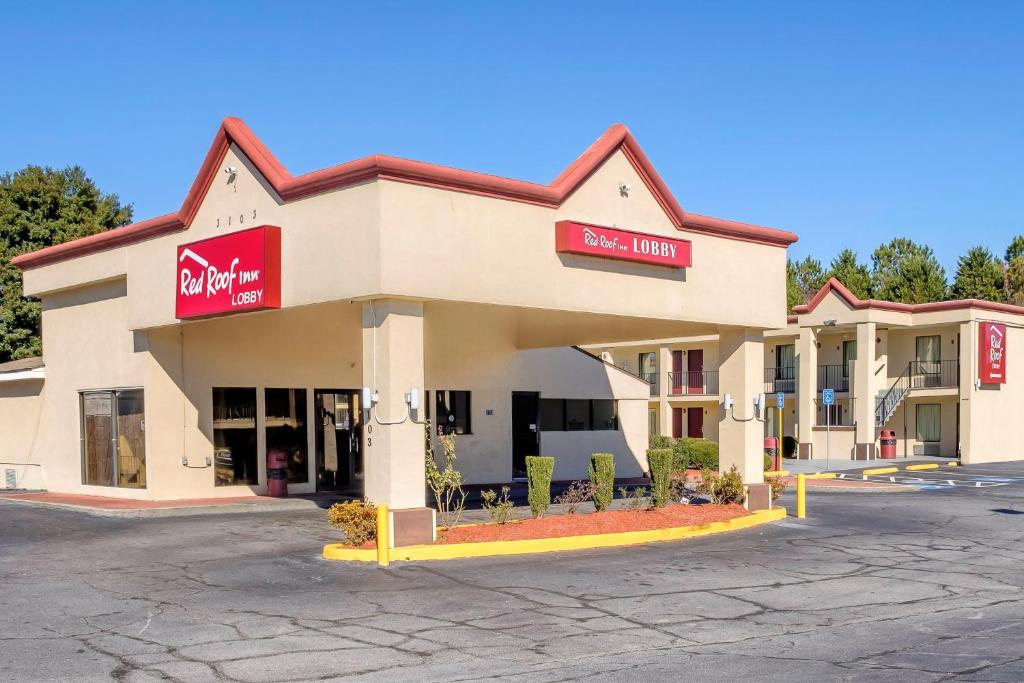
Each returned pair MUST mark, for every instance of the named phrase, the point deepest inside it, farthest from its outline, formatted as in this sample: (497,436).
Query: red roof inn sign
(622,245)
(231,273)
(992,353)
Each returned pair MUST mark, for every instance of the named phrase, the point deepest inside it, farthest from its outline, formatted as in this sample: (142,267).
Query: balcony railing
(833,377)
(693,382)
(652,379)
(780,380)
(938,374)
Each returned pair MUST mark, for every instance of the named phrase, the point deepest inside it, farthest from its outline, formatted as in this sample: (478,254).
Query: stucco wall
(20,413)
(997,427)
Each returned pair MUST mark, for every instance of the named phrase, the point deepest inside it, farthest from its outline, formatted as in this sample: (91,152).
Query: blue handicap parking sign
(828,396)
(780,400)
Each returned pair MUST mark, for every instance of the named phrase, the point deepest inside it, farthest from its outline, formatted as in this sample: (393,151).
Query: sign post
(828,399)
(780,403)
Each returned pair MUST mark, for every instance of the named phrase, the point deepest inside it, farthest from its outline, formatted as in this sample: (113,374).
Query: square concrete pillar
(968,360)
(807,391)
(866,386)
(664,409)
(393,450)
(741,431)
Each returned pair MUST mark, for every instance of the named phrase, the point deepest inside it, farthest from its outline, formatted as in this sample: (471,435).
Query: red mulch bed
(611,521)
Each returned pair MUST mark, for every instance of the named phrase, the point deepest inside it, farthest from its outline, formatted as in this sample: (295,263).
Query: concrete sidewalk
(123,507)
(795,466)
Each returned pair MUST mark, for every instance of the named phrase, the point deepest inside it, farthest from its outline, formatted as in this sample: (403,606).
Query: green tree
(979,275)
(803,280)
(40,207)
(1016,248)
(908,272)
(855,276)
(1014,287)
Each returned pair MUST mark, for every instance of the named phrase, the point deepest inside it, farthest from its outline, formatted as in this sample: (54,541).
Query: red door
(677,423)
(695,423)
(677,372)
(695,371)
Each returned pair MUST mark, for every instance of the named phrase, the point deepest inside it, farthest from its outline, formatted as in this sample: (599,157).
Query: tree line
(903,270)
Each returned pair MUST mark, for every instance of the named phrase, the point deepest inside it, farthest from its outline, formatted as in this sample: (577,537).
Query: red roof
(834,285)
(290,188)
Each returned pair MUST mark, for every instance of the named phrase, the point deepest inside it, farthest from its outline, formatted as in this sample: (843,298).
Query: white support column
(393,365)
(741,374)
(865,389)
(807,391)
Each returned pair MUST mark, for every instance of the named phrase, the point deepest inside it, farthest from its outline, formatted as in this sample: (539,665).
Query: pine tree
(803,280)
(40,207)
(907,272)
(855,276)
(979,275)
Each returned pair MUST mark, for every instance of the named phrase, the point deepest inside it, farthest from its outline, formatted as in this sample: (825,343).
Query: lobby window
(929,416)
(552,415)
(579,415)
(285,423)
(234,437)
(453,412)
(113,438)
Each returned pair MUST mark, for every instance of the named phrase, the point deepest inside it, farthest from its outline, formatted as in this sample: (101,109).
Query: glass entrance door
(339,458)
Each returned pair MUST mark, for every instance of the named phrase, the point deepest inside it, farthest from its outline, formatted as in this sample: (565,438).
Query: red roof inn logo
(228,274)
(623,245)
(992,353)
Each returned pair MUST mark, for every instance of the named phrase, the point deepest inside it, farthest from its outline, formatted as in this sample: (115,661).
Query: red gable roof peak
(834,285)
(290,188)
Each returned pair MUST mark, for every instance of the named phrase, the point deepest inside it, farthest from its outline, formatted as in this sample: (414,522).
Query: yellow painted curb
(881,470)
(924,466)
(336,551)
(822,475)
(776,473)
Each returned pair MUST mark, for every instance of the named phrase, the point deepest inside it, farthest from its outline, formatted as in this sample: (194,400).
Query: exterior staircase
(917,375)
(887,403)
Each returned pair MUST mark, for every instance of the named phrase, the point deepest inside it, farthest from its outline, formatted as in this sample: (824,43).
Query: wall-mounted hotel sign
(231,273)
(623,245)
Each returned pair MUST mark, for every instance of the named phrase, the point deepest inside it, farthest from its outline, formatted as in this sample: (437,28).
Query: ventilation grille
(10,478)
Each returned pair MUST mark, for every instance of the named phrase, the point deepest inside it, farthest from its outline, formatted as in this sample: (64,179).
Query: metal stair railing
(888,403)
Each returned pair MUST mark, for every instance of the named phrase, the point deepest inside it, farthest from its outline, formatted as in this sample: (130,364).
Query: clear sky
(848,123)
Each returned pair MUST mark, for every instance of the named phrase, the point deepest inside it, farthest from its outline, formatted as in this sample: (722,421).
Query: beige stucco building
(178,351)
(921,371)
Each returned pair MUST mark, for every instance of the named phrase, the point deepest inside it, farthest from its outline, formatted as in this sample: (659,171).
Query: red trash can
(771,449)
(887,438)
(277,473)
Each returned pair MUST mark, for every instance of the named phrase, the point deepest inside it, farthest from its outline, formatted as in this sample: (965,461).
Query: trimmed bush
(681,453)
(660,461)
(538,475)
(357,519)
(602,479)
(659,441)
(696,454)
(768,462)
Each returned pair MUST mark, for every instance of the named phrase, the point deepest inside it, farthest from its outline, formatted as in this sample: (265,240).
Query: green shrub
(357,519)
(660,461)
(602,479)
(768,462)
(721,488)
(659,441)
(538,475)
(789,447)
(680,452)
(498,507)
(696,454)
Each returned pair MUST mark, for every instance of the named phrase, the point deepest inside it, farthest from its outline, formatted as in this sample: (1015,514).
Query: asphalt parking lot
(870,587)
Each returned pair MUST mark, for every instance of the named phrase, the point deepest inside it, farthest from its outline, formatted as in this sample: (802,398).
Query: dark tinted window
(577,415)
(552,415)
(604,415)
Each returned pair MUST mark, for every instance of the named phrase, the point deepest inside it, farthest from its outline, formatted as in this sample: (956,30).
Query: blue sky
(849,123)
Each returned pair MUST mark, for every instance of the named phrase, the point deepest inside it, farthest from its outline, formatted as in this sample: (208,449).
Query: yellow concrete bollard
(383,537)
(801,496)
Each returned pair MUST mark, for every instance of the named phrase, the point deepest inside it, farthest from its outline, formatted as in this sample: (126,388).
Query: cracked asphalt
(922,586)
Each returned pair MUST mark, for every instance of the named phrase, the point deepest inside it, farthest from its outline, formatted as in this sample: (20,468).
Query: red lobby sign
(623,245)
(992,353)
(230,273)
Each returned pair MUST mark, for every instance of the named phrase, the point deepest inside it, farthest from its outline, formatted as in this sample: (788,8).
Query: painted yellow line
(337,551)
(776,473)
(822,475)
(924,466)
(881,470)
